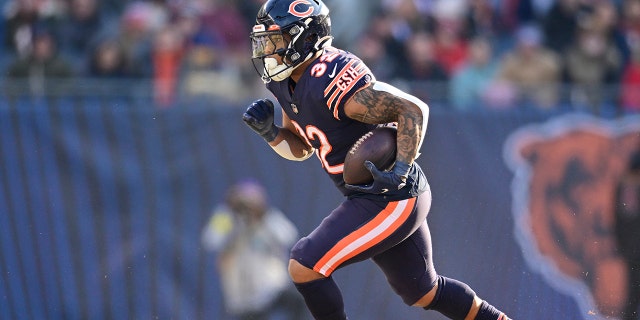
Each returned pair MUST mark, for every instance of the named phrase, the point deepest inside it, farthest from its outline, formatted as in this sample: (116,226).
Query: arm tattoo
(381,106)
(384,107)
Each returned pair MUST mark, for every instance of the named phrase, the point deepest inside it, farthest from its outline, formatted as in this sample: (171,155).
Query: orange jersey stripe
(338,76)
(344,92)
(332,98)
(370,234)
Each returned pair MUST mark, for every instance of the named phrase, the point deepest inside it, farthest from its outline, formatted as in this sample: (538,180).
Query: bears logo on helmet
(293,10)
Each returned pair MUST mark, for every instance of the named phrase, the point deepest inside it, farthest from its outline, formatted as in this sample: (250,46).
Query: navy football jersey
(315,105)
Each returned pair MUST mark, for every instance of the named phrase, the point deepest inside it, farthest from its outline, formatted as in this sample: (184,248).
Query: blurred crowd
(462,54)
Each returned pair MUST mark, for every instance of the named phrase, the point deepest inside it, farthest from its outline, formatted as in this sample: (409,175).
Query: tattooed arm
(382,103)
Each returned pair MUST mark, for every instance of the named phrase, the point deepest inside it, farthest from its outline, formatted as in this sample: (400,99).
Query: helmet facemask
(265,46)
(290,44)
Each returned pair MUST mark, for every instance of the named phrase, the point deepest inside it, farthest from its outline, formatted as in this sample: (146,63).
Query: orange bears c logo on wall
(565,172)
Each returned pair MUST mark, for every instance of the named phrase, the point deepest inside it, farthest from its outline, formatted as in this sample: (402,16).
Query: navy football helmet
(294,30)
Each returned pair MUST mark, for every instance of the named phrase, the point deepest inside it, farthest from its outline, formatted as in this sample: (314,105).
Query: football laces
(360,141)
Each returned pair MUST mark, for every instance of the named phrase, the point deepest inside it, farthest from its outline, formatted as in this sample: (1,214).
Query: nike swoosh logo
(333,73)
(385,190)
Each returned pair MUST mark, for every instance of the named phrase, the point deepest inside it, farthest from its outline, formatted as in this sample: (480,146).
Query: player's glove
(259,117)
(383,181)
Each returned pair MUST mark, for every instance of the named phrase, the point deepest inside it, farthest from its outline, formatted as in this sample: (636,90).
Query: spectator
(592,68)
(166,56)
(371,49)
(510,15)
(252,241)
(396,22)
(347,26)
(422,69)
(605,20)
(560,24)
(112,8)
(627,230)
(41,64)
(188,22)
(136,29)
(108,66)
(107,61)
(541,7)
(630,24)
(203,65)
(531,70)
(409,16)
(469,84)
(450,47)
(155,14)
(630,83)
(79,27)
(206,61)
(391,34)
(21,17)
(481,19)
(630,28)
(223,18)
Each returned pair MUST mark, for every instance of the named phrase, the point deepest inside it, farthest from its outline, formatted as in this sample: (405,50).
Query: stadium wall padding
(102,205)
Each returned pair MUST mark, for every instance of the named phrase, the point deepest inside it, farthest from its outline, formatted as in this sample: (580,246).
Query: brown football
(377,146)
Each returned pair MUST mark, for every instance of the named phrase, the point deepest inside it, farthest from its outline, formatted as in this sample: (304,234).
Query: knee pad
(453,298)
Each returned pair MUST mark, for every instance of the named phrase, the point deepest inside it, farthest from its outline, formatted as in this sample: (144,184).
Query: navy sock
(489,312)
(323,298)
(453,298)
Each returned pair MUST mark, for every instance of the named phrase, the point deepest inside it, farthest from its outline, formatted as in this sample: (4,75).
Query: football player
(329,100)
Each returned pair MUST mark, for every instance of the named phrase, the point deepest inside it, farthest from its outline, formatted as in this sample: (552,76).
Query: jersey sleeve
(346,74)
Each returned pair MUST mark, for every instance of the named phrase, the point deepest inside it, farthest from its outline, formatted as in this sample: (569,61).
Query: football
(377,146)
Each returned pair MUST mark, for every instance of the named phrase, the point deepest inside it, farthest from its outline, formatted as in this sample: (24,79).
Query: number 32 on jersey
(313,133)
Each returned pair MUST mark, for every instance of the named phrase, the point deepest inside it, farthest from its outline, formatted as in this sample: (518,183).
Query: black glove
(383,181)
(259,117)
